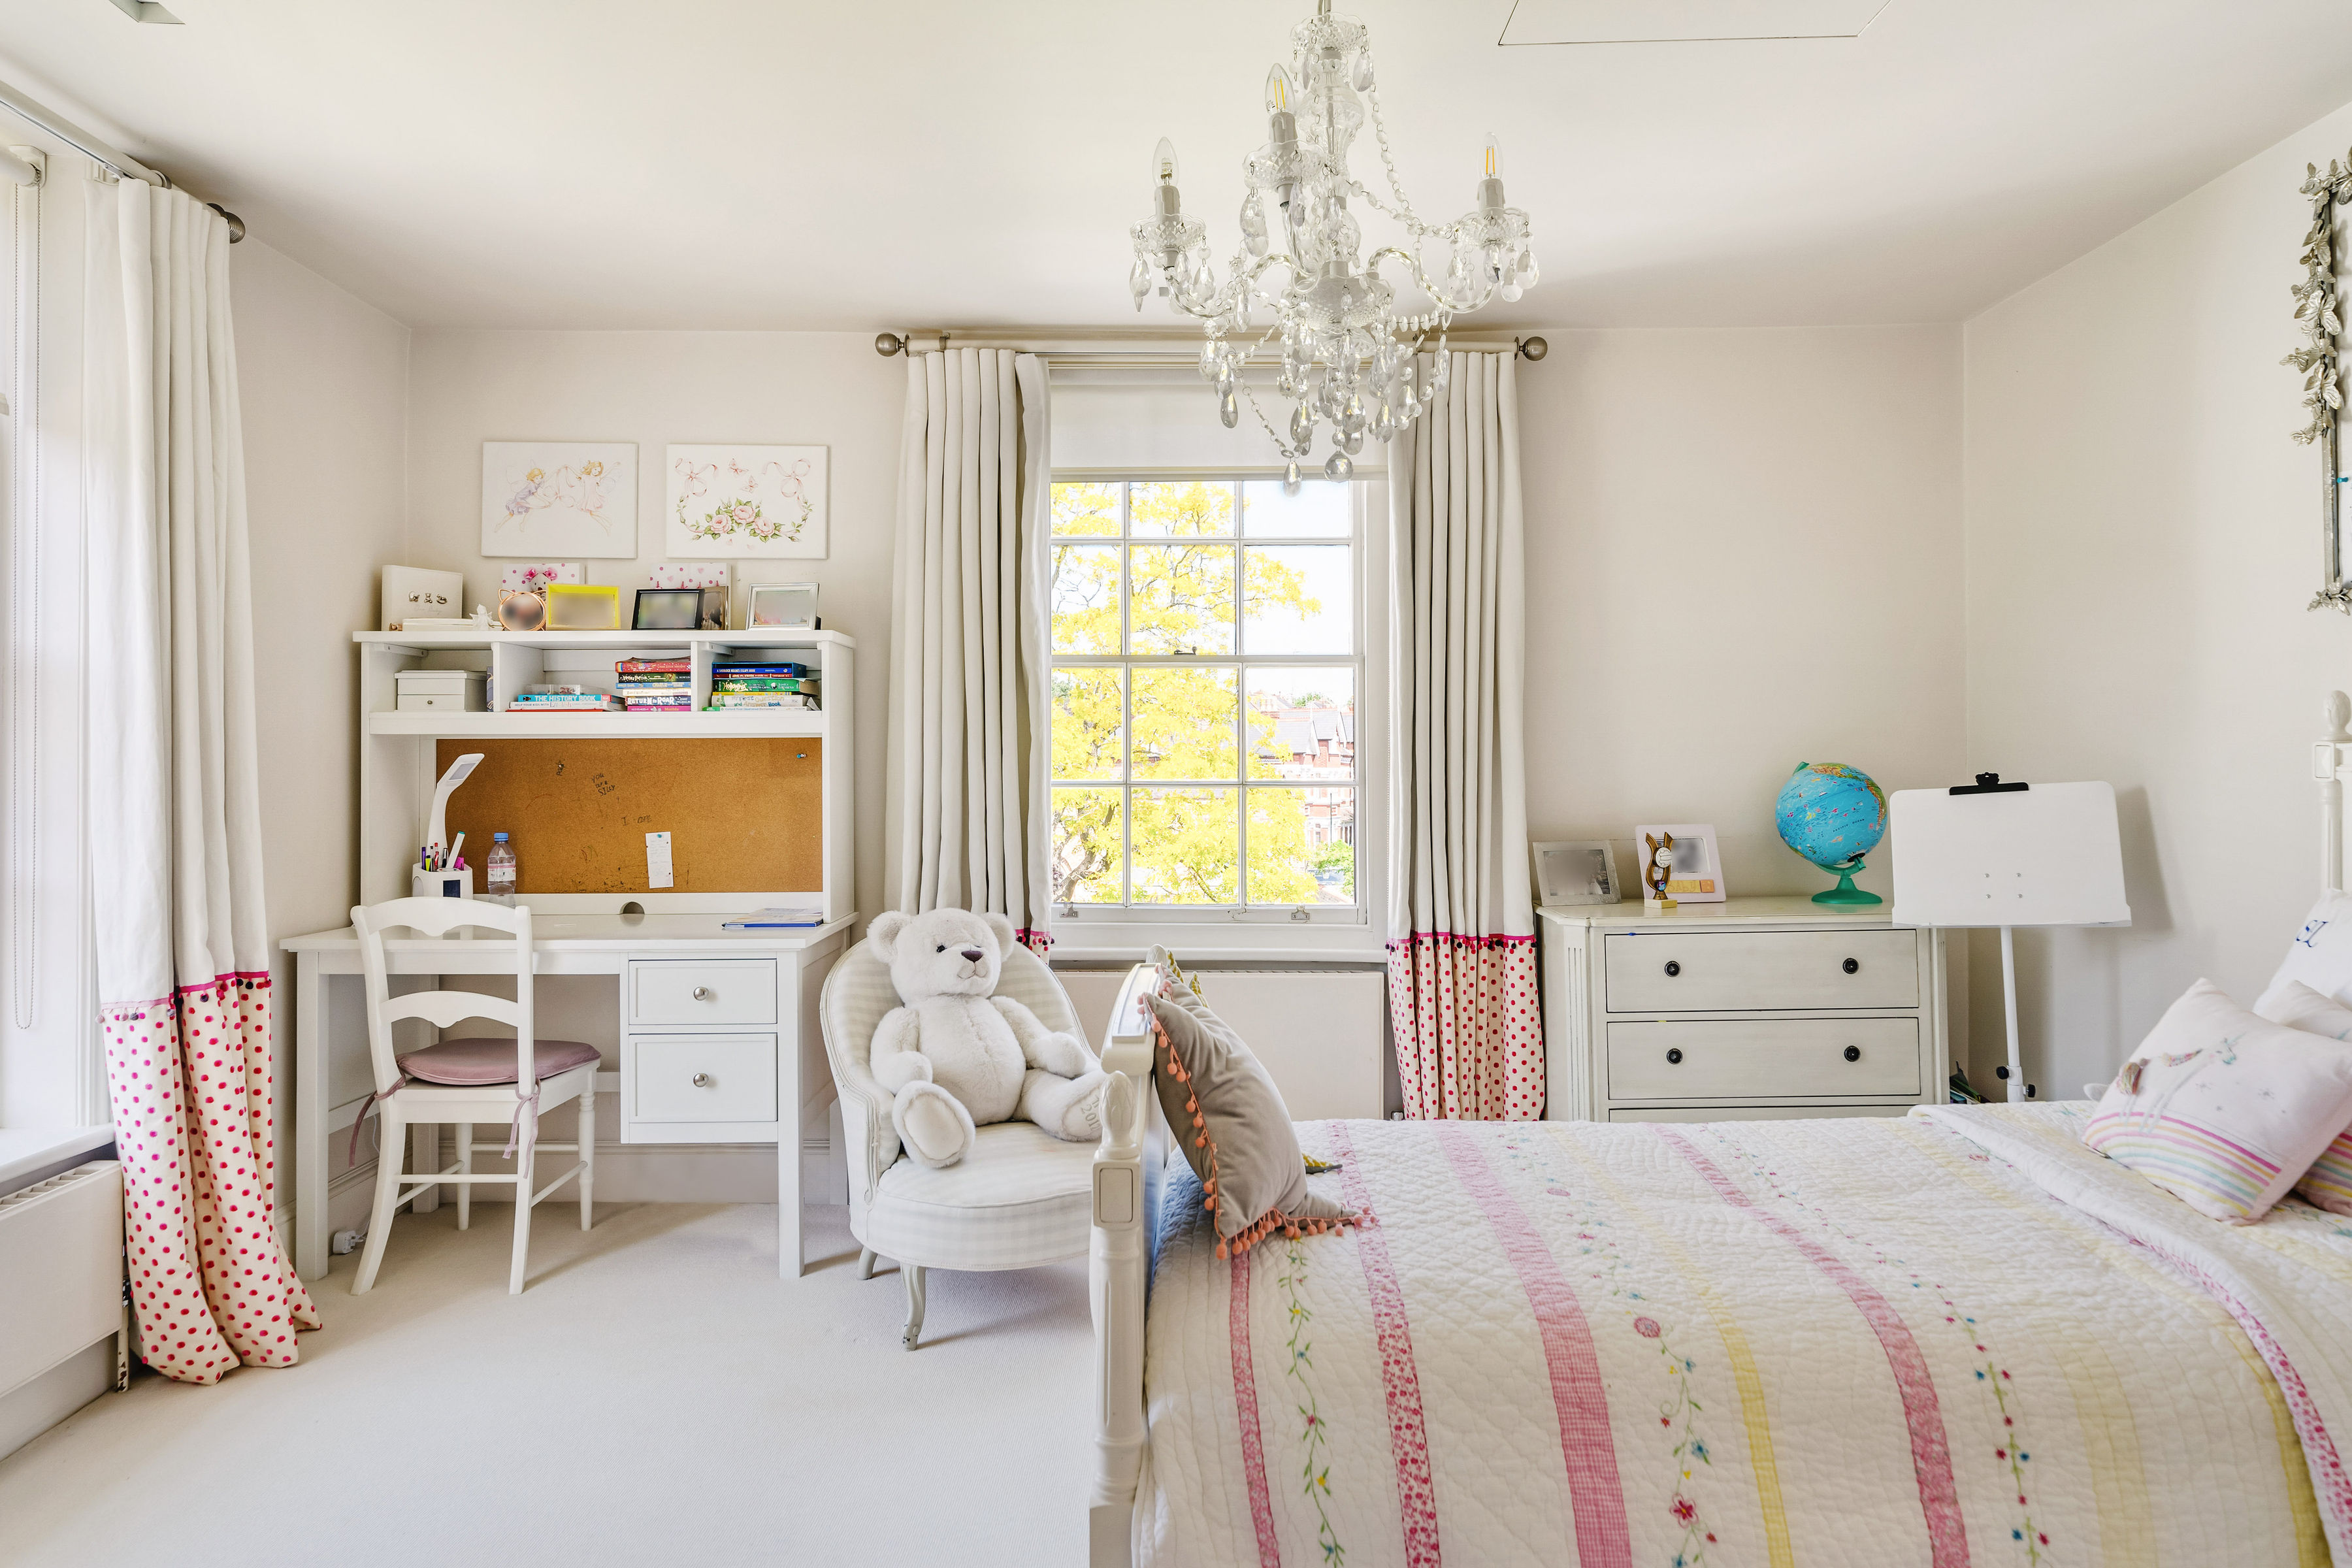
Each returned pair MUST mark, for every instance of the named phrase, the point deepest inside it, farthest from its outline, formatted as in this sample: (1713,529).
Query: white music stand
(2004,856)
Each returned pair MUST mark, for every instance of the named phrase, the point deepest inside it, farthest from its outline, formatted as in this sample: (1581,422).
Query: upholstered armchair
(1020,1199)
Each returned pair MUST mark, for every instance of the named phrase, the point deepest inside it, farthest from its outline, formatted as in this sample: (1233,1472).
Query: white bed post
(2326,758)
(1120,1273)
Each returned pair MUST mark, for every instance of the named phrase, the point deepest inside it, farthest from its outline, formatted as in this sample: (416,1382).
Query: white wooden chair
(464,1082)
(1020,1199)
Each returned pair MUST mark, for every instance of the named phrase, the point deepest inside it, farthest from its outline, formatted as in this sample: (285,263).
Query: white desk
(690,994)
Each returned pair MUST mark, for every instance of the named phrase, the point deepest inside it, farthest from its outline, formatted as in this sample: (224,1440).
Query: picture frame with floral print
(763,502)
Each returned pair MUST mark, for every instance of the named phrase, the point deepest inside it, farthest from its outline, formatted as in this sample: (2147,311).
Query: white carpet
(657,1395)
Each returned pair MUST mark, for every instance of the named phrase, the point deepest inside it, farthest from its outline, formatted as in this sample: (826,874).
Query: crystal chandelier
(1348,356)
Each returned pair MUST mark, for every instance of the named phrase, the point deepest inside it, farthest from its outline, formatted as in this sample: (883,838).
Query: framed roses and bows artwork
(747,501)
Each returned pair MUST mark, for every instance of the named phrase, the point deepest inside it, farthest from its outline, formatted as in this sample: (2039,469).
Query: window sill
(27,1149)
(1105,944)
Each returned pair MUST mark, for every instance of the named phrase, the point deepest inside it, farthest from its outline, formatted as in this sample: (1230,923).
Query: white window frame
(1240,930)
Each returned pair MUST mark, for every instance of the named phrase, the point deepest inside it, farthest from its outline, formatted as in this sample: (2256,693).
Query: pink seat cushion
(491,1060)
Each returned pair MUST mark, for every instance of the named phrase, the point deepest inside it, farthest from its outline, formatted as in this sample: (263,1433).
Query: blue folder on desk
(761,920)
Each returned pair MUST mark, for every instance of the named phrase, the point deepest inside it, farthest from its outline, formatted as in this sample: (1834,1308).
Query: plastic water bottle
(501,867)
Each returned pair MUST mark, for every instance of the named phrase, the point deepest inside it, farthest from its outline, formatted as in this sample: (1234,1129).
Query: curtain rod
(97,151)
(1127,353)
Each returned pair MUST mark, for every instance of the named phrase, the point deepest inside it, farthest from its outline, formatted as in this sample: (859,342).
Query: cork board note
(744,815)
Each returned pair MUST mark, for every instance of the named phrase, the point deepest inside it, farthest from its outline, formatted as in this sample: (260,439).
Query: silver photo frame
(1575,871)
(783,606)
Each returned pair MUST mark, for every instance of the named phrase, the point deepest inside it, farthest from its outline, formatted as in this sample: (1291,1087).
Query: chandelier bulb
(1494,156)
(1338,466)
(1278,89)
(1163,163)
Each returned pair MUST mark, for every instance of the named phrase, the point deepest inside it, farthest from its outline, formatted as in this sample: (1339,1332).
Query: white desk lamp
(437,827)
(2008,855)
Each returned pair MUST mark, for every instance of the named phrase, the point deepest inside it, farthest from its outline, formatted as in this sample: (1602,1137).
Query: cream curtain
(966,816)
(175,844)
(1461,955)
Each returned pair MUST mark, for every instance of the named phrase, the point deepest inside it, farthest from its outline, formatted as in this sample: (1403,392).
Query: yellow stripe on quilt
(1744,1372)
(2303,1504)
(2102,1410)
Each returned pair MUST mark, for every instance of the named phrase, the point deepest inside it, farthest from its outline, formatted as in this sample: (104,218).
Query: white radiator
(60,1269)
(1322,1034)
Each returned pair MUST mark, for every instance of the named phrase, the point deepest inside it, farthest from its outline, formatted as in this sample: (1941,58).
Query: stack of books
(743,685)
(656,685)
(560,700)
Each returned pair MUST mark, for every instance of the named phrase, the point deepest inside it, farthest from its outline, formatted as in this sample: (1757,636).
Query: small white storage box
(445,691)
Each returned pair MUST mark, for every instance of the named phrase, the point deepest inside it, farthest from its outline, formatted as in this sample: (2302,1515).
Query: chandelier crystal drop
(1348,356)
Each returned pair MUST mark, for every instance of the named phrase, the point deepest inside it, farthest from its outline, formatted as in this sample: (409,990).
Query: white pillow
(2328,1184)
(2224,1110)
(2320,956)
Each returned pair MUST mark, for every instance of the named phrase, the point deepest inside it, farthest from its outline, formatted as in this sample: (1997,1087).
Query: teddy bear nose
(975,954)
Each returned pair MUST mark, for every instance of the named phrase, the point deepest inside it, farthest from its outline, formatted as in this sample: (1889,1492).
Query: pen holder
(425,884)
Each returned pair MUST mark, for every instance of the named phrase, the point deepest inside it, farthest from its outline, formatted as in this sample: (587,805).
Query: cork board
(744,815)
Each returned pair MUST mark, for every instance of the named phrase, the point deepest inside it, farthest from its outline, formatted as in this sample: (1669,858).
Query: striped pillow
(2328,1184)
(2224,1110)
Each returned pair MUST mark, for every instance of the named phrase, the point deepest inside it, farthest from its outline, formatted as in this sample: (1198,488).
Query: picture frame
(713,577)
(666,610)
(1571,871)
(582,607)
(560,497)
(783,606)
(1697,876)
(745,501)
(520,610)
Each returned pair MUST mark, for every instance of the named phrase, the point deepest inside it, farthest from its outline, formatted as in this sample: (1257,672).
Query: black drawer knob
(1854,1053)
(1854,967)
(1675,1055)
(1673,968)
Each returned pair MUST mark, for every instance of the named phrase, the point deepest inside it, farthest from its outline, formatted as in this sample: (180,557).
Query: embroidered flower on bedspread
(1992,1379)
(1314,1436)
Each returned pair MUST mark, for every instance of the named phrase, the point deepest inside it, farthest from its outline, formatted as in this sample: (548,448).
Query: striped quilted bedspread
(1957,1338)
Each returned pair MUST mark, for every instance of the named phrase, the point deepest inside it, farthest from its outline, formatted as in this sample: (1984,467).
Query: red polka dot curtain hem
(1468,1030)
(1462,952)
(181,939)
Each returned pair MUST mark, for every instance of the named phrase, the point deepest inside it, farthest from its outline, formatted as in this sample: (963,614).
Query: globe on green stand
(1832,815)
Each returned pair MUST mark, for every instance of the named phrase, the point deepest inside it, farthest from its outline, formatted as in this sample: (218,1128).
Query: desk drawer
(669,994)
(1759,971)
(1764,1058)
(703,1077)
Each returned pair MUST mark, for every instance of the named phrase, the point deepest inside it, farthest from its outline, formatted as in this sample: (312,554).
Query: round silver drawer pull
(702,1080)
(1675,1055)
(1854,1053)
(702,993)
(1673,968)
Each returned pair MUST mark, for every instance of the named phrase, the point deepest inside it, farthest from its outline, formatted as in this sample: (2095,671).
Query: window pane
(1302,723)
(1086,834)
(1085,507)
(1302,845)
(1086,723)
(1187,844)
(1299,598)
(1181,599)
(1322,509)
(1182,509)
(1086,598)
(1184,723)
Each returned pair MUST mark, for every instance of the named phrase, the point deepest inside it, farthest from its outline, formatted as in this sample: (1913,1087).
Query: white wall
(2142,537)
(323,383)
(1743,553)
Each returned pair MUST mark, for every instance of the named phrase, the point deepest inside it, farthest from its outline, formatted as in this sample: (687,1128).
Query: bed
(1953,1338)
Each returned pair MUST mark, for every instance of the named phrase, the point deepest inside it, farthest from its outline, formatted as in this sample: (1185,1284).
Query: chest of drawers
(1751,1008)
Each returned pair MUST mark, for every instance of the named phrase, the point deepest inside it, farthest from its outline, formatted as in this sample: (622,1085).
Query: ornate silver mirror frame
(2318,309)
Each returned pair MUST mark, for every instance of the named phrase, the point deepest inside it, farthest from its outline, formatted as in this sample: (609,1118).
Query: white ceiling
(721,163)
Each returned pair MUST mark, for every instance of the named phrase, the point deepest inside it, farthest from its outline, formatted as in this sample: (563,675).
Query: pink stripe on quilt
(1408,1435)
(1269,1551)
(1931,1458)
(1579,1397)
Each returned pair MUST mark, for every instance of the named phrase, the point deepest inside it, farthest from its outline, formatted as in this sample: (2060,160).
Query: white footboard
(1126,1205)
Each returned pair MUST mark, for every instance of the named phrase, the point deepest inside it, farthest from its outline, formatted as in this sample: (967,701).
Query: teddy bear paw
(932,1124)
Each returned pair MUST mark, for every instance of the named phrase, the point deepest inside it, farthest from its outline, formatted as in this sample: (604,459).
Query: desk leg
(309,1117)
(791,1259)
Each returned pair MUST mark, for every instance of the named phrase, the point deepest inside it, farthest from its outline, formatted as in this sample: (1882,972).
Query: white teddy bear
(955,1054)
